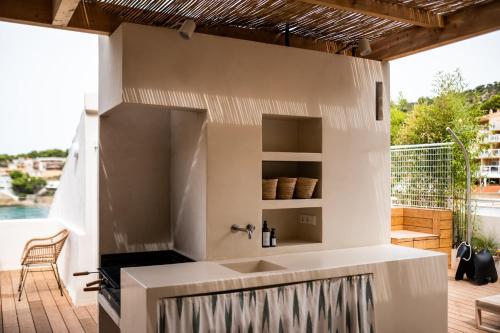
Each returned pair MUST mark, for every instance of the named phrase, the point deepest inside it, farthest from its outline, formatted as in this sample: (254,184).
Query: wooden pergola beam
(385,10)
(86,17)
(62,11)
(38,12)
(460,25)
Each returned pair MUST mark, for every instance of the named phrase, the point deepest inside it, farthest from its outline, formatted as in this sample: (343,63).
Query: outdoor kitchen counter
(398,271)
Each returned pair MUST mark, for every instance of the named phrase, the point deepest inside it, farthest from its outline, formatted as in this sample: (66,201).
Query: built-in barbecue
(108,283)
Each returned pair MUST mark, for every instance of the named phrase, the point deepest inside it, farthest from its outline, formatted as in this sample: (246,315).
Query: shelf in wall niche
(292,203)
(293,242)
(291,157)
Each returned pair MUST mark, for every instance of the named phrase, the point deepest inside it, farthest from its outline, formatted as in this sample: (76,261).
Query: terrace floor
(461,296)
(42,309)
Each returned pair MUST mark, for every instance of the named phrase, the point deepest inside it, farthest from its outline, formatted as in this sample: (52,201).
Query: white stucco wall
(236,82)
(75,207)
(134,180)
(188,176)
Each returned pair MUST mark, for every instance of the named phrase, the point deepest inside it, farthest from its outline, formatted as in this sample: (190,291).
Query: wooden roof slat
(63,11)
(462,24)
(385,10)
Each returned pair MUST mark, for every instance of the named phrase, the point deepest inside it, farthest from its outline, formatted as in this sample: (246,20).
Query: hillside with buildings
(30,179)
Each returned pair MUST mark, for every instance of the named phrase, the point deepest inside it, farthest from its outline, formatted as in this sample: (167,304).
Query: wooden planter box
(429,229)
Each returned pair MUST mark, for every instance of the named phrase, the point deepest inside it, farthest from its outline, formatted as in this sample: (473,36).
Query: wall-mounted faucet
(249,229)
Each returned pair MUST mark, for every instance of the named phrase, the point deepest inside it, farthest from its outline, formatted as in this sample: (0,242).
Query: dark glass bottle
(266,235)
(273,237)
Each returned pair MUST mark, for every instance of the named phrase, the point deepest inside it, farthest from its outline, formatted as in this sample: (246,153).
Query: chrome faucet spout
(249,229)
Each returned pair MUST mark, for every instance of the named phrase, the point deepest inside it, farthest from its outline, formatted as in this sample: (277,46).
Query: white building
(490,155)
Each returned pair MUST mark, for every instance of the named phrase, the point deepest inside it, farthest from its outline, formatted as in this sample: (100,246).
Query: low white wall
(15,233)
(75,205)
(490,224)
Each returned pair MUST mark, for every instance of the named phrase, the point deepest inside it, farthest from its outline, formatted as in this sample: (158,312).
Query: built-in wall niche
(275,169)
(291,134)
(295,226)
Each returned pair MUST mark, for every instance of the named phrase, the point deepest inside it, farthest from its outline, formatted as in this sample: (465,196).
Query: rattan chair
(42,252)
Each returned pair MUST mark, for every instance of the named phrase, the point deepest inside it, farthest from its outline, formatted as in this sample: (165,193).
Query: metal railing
(489,170)
(421,175)
(494,138)
(489,153)
(494,126)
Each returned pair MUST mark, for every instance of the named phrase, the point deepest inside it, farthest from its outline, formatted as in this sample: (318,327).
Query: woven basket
(305,187)
(286,187)
(269,189)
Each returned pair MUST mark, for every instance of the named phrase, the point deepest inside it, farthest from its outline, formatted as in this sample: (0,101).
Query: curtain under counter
(343,304)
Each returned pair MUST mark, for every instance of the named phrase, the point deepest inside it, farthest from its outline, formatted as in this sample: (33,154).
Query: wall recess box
(308,219)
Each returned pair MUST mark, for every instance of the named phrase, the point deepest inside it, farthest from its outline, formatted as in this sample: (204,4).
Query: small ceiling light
(364,48)
(187,28)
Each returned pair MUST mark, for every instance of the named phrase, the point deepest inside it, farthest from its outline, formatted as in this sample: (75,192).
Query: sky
(478,59)
(44,74)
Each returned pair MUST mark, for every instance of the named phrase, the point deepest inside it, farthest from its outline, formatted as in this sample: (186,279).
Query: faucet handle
(250,229)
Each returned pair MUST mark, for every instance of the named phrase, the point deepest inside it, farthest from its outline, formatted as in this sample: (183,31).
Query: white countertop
(211,276)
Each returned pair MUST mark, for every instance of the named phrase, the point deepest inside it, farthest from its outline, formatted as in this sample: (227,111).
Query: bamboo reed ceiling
(304,19)
(441,7)
(395,28)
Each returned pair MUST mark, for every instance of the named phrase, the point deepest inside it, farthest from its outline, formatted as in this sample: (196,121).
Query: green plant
(491,104)
(15,174)
(24,184)
(487,242)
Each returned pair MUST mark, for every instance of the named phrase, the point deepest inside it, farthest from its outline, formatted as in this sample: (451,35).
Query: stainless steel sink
(253,266)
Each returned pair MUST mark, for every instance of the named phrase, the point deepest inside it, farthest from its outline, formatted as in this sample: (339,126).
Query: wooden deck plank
(69,316)
(55,318)
(461,305)
(10,323)
(38,314)
(88,322)
(92,309)
(24,317)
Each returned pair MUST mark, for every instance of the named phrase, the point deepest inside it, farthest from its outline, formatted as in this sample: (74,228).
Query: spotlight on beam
(363,47)
(187,28)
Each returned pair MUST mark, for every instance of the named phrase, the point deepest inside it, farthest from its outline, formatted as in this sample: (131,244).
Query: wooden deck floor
(42,309)
(461,296)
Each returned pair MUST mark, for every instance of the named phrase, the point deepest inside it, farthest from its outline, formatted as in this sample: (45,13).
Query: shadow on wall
(188,182)
(244,111)
(343,113)
(134,180)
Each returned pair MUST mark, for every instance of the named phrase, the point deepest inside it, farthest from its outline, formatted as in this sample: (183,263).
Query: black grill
(112,263)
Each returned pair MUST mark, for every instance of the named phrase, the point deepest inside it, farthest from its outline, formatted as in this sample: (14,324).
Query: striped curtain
(340,305)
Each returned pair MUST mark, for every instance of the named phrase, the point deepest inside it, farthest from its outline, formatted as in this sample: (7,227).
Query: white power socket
(307,219)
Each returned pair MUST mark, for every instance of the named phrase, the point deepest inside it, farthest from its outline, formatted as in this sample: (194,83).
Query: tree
(15,174)
(24,184)
(4,160)
(491,104)
(398,115)
(402,103)
(446,83)
(450,108)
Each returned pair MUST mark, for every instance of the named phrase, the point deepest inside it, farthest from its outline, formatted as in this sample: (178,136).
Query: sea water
(23,212)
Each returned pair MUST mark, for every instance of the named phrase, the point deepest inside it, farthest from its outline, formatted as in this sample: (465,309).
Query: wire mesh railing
(421,176)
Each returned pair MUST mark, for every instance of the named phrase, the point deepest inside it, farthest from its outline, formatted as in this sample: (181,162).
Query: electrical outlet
(307,219)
